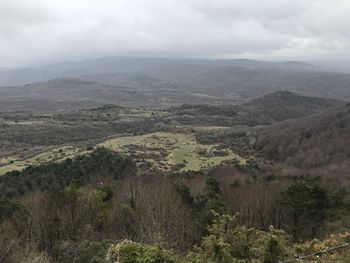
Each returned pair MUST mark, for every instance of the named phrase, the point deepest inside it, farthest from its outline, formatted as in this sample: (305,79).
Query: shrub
(131,252)
(228,242)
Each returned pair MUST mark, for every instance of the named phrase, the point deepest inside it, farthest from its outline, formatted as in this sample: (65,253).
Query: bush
(228,242)
(132,252)
(125,252)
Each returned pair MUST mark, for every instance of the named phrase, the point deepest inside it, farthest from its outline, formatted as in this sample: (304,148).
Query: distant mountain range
(62,93)
(164,82)
(109,65)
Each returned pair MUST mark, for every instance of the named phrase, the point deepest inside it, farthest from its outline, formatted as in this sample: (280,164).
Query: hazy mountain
(159,82)
(135,80)
(332,65)
(76,68)
(108,65)
(92,93)
(247,83)
(45,105)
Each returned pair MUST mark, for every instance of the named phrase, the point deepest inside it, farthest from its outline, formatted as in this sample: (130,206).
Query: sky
(47,31)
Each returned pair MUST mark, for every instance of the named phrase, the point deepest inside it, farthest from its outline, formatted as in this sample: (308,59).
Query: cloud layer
(52,30)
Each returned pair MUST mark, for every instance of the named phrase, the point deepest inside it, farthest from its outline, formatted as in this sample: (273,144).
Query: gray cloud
(52,30)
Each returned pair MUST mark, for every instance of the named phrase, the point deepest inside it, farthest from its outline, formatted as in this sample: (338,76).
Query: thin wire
(316,253)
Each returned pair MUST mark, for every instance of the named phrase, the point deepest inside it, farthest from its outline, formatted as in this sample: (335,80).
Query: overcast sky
(40,31)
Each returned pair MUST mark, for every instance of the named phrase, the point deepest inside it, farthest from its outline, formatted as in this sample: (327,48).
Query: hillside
(263,110)
(315,141)
(90,179)
(281,105)
(242,79)
(251,82)
(64,91)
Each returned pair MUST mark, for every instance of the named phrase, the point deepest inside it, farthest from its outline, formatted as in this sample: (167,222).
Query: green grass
(171,149)
(180,148)
(8,159)
(55,155)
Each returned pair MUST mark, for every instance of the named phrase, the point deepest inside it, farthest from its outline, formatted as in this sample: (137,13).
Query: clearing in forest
(168,151)
(171,150)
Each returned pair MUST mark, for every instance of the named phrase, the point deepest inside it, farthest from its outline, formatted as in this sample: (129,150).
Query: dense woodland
(322,140)
(73,211)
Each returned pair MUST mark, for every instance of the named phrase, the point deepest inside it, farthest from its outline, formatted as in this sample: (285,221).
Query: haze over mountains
(105,65)
(150,82)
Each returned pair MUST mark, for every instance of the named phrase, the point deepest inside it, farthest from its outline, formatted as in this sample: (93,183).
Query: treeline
(218,115)
(74,211)
(54,177)
(13,137)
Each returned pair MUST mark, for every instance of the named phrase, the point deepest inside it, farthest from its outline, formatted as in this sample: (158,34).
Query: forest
(103,207)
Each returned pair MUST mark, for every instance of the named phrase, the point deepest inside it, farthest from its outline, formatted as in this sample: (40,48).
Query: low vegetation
(56,155)
(172,150)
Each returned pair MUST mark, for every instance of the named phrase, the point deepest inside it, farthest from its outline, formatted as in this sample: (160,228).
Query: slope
(315,141)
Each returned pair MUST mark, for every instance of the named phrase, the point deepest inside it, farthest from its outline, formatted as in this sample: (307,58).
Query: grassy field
(170,149)
(55,155)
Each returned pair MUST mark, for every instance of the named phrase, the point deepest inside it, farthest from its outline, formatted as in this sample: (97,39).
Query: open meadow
(168,150)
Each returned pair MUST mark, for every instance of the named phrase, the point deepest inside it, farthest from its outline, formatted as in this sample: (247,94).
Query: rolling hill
(315,141)
(65,91)
(263,110)
(247,82)
(166,82)
(120,64)
(281,105)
